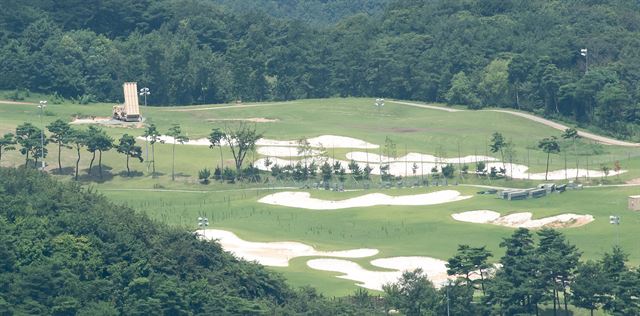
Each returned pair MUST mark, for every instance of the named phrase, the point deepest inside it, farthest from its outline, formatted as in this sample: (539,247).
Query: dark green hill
(67,251)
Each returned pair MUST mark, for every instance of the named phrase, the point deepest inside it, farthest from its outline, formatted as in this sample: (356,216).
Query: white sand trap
(415,157)
(275,254)
(523,219)
(517,171)
(304,200)
(279,151)
(435,269)
(327,141)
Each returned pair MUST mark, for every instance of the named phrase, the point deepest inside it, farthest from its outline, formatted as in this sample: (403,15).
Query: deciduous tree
(127,146)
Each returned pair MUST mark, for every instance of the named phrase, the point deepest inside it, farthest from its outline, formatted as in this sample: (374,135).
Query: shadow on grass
(133,174)
(94,176)
(66,171)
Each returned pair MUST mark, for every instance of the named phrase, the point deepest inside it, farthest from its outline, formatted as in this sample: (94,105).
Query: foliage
(204,175)
(7,143)
(29,138)
(242,139)
(127,146)
(60,132)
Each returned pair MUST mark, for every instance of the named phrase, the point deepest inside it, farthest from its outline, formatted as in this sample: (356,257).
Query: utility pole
(42,105)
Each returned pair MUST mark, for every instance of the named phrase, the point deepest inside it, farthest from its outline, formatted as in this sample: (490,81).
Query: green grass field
(394,230)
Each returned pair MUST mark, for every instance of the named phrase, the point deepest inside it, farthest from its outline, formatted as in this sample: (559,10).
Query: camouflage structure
(130,110)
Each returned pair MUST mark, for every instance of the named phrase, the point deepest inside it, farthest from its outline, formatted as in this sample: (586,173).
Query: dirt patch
(106,121)
(633,181)
(16,102)
(523,219)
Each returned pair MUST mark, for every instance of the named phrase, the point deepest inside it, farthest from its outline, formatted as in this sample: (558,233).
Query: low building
(634,202)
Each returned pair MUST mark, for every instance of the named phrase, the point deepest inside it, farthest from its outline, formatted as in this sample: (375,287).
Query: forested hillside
(313,12)
(520,54)
(67,251)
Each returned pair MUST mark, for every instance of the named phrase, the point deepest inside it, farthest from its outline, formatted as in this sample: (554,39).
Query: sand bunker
(304,200)
(517,171)
(326,141)
(278,151)
(523,219)
(106,121)
(435,269)
(275,254)
(415,157)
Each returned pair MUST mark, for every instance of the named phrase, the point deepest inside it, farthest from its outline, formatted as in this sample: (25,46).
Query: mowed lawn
(394,230)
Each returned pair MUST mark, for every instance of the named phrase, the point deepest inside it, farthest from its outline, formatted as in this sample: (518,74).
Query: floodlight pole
(145,92)
(203,222)
(615,220)
(42,105)
(585,52)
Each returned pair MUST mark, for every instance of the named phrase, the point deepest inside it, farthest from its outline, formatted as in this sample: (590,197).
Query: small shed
(634,202)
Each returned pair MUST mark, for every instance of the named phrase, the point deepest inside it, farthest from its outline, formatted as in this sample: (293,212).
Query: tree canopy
(521,54)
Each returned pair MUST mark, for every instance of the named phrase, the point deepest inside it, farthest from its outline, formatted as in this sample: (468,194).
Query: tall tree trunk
(547,172)
(26,161)
(128,171)
(59,159)
(482,281)
(100,164)
(77,162)
(221,159)
(93,158)
(555,294)
(0,153)
(35,162)
(564,297)
(153,158)
(173,161)
(575,152)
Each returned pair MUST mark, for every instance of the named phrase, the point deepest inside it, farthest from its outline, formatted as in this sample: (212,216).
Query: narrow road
(558,126)
(426,106)
(227,107)
(598,138)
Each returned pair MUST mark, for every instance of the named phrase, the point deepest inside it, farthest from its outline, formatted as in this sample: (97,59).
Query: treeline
(520,54)
(533,276)
(65,250)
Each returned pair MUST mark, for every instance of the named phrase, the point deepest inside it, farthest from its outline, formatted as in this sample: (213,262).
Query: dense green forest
(65,250)
(313,12)
(520,54)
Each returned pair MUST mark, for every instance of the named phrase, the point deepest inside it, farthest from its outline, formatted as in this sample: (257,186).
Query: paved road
(426,106)
(600,139)
(227,107)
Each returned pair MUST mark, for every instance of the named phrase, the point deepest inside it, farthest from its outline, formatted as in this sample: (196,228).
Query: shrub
(203,176)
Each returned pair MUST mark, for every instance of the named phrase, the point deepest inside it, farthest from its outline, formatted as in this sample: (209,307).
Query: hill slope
(67,251)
